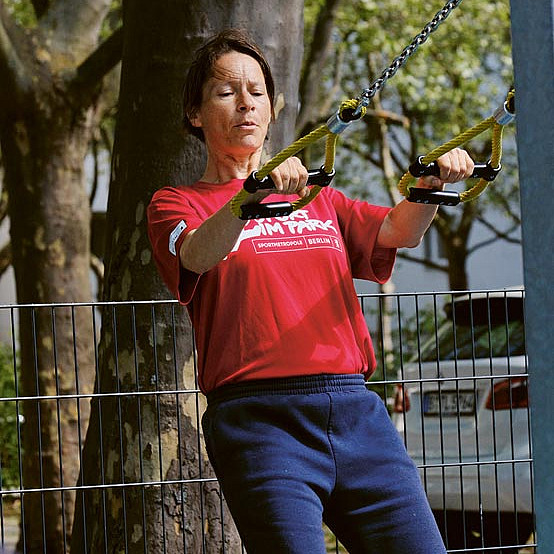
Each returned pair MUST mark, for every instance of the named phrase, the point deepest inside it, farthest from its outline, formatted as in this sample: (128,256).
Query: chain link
(368,93)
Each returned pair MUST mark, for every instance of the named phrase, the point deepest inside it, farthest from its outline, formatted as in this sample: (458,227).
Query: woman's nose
(245,102)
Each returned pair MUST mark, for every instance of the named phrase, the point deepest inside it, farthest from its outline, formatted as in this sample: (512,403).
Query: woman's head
(202,69)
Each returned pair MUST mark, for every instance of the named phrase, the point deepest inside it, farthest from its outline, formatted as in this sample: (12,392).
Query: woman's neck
(224,167)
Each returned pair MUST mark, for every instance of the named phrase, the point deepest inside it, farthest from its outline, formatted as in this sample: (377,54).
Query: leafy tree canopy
(456,78)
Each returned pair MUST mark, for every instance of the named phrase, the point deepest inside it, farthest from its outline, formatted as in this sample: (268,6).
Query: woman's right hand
(291,177)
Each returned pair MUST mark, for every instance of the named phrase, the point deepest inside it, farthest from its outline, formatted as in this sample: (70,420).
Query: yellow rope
(330,148)
(405,182)
(237,201)
(496,155)
(462,138)
(291,150)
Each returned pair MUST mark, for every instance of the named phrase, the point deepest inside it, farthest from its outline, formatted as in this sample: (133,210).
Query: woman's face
(236,110)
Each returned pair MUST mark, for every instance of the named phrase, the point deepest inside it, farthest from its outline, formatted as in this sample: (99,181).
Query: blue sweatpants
(291,453)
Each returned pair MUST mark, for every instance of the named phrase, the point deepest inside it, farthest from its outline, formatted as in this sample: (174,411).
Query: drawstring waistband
(307,384)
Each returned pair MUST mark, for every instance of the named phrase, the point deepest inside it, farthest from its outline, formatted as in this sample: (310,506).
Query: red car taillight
(509,393)
(401,400)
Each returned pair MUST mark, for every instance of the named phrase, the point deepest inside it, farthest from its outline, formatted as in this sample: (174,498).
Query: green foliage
(459,76)
(311,10)
(9,422)
(455,79)
(22,11)
(113,20)
(456,61)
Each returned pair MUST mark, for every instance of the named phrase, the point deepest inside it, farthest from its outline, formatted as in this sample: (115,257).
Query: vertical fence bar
(533,52)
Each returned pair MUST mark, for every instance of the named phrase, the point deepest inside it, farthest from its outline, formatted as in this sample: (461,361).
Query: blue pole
(533,54)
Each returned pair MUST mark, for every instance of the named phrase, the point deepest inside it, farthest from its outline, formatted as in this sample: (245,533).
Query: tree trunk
(155,438)
(50,221)
(457,261)
(47,111)
(454,230)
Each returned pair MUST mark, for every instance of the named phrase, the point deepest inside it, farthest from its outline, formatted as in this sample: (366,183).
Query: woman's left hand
(454,166)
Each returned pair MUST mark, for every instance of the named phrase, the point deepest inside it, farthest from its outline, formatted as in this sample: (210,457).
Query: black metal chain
(401,59)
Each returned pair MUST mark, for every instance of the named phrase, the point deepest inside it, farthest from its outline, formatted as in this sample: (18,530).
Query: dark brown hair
(202,68)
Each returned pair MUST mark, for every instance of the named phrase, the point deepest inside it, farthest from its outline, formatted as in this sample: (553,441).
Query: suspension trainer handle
(480,171)
(269,209)
(436,197)
(444,197)
(317,177)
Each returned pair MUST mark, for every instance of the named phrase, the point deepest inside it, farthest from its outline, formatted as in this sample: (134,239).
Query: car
(461,406)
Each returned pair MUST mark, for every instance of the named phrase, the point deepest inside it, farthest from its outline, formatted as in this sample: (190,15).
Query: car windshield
(459,342)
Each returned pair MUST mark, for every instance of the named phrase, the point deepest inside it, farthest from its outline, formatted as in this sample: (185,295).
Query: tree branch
(481,244)
(72,28)
(423,261)
(97,265)
(90,73)
(354,146)
(96,170)
(14,74)
(389,117)
(507,207)
(3,204)
(498,235)
(5,258)
(41,7)
(311,78)
(329,100)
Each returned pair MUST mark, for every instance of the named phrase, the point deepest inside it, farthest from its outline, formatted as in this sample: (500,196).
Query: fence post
(533,53)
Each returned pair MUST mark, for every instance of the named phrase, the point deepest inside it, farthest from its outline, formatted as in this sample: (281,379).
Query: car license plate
(449,403)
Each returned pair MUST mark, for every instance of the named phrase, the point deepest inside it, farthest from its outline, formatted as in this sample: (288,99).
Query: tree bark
(49,235)
(310,84)
(454,231)
(153,440)
(45,127)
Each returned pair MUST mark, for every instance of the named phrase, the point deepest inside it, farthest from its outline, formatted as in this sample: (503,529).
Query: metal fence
(100,424)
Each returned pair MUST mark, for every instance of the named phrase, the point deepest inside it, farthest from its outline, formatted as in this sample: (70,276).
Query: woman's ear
(195,119)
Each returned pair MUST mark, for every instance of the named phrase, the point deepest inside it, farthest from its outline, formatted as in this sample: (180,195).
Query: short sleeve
(360,224)
(170,219)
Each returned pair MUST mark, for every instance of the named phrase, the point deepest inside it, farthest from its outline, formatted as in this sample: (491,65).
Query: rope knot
(348,110)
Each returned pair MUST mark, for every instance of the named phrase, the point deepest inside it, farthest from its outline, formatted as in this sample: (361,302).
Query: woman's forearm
(206,246)
(405,225)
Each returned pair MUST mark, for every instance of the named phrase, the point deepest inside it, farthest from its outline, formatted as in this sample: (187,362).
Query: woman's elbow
(398,241)
(192,258)
(412,242)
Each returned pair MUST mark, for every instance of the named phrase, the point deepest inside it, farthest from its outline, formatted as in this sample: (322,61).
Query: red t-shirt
(282,303)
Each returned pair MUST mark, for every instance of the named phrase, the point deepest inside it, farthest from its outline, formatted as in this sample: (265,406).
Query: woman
(292,432)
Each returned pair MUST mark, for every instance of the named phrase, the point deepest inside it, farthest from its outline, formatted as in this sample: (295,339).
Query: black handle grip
(480,171)
(433,196)
(271,209)
(317,177)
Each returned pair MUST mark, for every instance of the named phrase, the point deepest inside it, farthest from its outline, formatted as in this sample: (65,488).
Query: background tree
(154,438)
(458,77)
(51,70)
